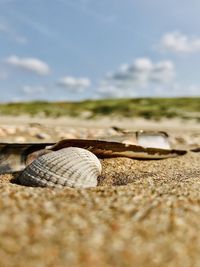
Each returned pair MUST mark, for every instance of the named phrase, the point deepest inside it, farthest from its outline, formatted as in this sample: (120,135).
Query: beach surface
(142,213)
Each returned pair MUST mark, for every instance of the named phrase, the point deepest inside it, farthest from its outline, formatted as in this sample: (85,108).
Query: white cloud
(30,64)
(31,90)
(140,77)
(131,79)
(143,71)
(77,84)
(179,43)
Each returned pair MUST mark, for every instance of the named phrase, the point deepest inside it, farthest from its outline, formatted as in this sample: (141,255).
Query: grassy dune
(149,108)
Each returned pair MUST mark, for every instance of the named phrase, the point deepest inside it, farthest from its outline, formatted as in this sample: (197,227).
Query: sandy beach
(142,213)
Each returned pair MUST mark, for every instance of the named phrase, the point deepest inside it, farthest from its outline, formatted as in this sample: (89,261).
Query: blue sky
(80,49)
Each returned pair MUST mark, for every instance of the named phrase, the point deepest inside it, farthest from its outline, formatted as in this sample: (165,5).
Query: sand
(143,213)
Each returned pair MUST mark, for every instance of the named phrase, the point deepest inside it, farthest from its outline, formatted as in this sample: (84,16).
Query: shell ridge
(79,181)
(81,169)
(72,167)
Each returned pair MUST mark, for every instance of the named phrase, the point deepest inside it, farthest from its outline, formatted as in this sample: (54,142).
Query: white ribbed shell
(72,167)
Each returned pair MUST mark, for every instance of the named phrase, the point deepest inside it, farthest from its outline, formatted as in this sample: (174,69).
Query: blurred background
(87,49)
(99,58)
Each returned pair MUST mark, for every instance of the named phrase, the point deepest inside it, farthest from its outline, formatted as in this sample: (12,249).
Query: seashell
(72,167)
(42,136)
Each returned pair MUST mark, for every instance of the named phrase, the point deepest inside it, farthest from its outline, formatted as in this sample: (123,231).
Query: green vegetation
(149,108)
